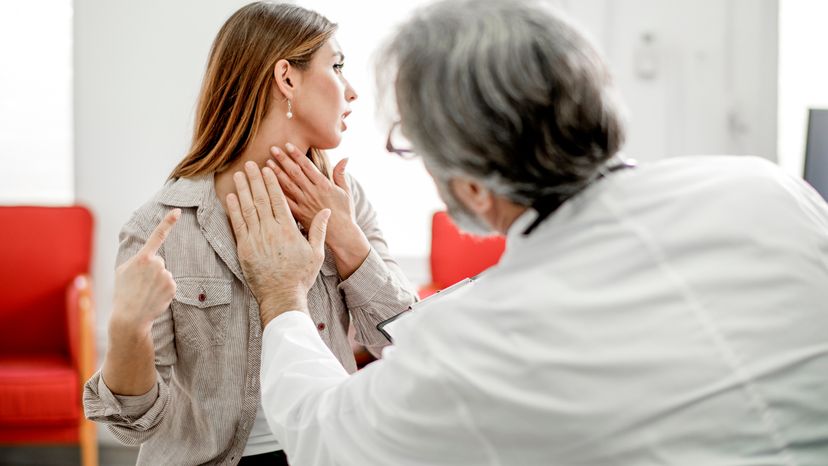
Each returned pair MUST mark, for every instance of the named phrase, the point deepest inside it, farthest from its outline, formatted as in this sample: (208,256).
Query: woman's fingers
(289,166)
(339,175)
(308,168)
(286,182)
(248,209)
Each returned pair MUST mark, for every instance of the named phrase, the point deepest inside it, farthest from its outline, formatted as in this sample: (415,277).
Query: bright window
(36,102)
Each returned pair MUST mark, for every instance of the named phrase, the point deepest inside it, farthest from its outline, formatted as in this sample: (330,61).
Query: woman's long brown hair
(236,91)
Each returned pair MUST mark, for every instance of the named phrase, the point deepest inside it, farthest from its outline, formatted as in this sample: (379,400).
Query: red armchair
(47,348)
(456,255)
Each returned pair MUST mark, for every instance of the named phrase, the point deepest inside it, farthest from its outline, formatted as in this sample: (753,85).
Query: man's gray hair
(504,91)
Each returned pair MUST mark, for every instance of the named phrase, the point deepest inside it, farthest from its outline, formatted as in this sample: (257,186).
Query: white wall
(803,75)
(36,102)
(705,84)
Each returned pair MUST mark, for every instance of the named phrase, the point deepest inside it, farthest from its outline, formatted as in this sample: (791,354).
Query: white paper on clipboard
(386,327)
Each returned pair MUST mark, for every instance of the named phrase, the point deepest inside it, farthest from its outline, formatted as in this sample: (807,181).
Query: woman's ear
(476,197)
(286,77)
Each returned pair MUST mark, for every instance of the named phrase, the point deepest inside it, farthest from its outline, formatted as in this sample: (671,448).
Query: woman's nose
(350,94)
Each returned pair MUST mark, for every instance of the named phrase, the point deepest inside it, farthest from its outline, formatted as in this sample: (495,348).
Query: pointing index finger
(157,237)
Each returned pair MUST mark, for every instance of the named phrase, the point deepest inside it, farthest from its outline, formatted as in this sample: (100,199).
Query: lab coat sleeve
(383,414)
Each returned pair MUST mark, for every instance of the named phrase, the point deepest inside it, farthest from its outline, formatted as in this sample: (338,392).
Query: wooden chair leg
(88,443)
(86,364)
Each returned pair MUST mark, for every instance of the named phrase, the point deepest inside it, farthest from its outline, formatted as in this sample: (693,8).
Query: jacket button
(320,326)
(202,297)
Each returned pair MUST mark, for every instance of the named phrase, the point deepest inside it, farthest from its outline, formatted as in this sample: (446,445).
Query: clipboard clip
(386,326)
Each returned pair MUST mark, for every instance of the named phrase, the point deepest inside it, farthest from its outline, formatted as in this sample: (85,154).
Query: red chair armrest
(80,325)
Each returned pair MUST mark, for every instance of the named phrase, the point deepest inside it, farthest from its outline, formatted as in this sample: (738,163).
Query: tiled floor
(64,456)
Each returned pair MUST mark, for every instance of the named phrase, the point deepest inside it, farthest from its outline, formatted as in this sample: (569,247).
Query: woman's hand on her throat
(308,192)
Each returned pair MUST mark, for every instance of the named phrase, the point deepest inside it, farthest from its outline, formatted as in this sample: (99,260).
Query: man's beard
(462,217)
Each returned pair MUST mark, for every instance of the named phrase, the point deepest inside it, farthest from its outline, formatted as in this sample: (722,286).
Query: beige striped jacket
(208,342)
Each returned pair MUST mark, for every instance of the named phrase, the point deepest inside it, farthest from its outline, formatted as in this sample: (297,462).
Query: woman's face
(323,101)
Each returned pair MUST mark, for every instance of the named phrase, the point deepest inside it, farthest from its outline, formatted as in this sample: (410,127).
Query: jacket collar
(200,192)
(188,192)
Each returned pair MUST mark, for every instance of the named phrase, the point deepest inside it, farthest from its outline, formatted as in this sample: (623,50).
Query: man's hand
(143,286)
(280,265)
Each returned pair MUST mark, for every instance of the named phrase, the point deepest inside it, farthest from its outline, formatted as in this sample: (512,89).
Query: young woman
(181,374)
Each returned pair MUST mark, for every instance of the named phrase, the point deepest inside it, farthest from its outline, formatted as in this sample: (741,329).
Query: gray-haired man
(673,313)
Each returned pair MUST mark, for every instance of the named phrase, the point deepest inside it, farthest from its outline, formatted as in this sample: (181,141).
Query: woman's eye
(338,67)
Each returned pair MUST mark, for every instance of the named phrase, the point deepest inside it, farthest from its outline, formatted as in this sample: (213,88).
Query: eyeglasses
(397,142)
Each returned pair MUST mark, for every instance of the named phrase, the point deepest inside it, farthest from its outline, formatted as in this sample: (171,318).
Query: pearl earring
(290,111)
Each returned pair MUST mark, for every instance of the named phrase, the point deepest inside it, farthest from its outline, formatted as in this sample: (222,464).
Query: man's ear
(476,197)
(287,78)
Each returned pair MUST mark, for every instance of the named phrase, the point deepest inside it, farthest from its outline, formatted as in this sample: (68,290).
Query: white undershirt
(261,440)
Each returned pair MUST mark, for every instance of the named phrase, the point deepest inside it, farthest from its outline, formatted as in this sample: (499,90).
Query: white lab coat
(672,314)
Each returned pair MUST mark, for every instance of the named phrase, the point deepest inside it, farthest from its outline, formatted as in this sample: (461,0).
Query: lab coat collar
(515,231)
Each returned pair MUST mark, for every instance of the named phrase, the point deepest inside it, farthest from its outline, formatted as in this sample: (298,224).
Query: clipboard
(386,327)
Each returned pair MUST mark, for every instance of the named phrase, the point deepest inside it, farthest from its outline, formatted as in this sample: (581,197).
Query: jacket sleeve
(378,289)
(134,419)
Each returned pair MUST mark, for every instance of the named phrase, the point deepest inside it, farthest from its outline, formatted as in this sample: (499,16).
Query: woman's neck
(271,133)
